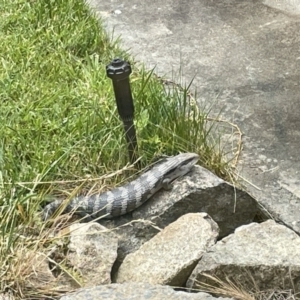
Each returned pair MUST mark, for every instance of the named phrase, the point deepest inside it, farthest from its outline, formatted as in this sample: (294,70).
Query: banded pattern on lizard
(128,197)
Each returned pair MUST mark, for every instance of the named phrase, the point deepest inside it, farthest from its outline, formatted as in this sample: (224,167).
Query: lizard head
(177,166)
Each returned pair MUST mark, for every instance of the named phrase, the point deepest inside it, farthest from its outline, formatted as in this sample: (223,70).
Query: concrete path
(247,55)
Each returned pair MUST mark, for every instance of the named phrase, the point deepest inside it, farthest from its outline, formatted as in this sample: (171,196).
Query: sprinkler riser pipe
(118,71)
(124,99)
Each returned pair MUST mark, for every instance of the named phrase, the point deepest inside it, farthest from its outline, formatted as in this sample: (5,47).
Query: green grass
(59,122)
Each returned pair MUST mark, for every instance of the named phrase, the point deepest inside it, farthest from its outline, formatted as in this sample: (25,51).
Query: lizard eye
(167,185)
(183,168)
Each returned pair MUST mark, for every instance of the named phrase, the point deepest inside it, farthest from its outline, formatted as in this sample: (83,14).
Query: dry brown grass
(230,289)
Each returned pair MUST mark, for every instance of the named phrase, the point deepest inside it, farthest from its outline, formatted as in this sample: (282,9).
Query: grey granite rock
(135,291)
(93,250)
(201,191)
(267,254)
(170,256)
(198,191)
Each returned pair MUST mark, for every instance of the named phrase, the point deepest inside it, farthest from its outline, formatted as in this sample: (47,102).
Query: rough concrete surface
(245,55)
